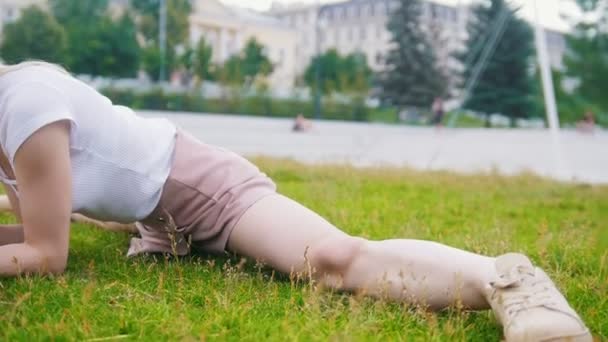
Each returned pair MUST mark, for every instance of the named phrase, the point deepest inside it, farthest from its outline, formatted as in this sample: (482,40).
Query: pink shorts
(207,191)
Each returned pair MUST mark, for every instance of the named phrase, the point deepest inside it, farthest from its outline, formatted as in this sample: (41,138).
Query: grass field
(104,296)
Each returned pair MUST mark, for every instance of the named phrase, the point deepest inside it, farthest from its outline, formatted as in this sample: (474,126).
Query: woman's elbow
(53,264)
(55,267)
(47,262)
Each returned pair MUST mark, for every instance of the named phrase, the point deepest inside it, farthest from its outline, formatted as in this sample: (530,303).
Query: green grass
(563,227)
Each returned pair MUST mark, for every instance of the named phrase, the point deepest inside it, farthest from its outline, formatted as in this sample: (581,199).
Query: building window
(349,34)
(453,15)
(379,58)
(379,30)
(337,36)
(371,10)
(443,13)
(213,37)
(391,6)
(379,8)
(344,14)
(362,33)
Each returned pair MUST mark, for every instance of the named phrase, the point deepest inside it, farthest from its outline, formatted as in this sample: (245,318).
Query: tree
(255,62)
(36,35)
(196,61)
(411,76)
(246,67)
(150,60)
(349,74)
(97,45)
(231,71)
(78,11)
(327,67)
(506,83)
(202,60)
(570,105)
(586,59)
(356,74)
(116,43)
(177,31)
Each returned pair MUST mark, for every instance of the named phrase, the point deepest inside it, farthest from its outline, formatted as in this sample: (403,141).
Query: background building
(10,10)
(360,25)
(304,19)
(227,30)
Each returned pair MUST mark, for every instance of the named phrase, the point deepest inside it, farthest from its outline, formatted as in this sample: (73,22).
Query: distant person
(587,124)
(64,148)
(438,112)
(301,124)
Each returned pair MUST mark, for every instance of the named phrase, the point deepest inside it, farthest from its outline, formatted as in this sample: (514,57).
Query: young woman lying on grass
(66,149)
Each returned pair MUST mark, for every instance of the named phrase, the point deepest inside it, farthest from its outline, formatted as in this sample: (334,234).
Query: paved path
(584,157)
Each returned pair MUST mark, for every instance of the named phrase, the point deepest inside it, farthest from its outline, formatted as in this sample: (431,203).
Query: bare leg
(5,204)
(111,226)
(290,237)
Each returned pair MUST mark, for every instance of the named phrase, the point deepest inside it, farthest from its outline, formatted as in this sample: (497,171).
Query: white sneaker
(529,306)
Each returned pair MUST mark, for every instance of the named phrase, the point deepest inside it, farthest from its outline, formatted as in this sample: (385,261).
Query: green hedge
(258,105)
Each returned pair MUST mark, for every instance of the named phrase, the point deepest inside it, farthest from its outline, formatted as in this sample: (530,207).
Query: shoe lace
(521,290)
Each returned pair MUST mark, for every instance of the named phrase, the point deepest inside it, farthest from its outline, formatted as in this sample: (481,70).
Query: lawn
(104,296)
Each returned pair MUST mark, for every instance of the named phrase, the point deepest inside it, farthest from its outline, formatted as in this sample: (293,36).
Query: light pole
(549,92)
(317,89)
(162,38)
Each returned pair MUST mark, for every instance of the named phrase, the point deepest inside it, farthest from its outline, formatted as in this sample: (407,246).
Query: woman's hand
(43,172)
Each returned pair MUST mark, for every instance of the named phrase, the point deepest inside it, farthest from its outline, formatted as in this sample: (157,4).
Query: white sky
(549,10)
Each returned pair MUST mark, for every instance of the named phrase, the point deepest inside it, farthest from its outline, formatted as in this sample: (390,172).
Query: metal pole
(162,38)
(317,88)
(548,92)
(491,44)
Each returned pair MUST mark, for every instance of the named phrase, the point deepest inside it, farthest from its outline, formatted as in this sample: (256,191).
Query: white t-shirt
(120,161)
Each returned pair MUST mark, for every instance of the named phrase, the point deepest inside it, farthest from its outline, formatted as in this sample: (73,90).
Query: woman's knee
(334,255)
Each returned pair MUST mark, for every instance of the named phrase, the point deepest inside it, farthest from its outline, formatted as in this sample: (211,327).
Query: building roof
(254,17)
(550,17)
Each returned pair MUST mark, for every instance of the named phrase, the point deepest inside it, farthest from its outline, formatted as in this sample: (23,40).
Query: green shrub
(235,103)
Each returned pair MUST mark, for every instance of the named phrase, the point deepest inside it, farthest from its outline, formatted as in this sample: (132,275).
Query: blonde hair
(6,68)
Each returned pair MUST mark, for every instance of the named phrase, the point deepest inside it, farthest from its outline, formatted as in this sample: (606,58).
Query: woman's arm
(43,172)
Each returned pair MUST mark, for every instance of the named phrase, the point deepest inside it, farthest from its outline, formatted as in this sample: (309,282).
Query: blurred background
(448,84)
